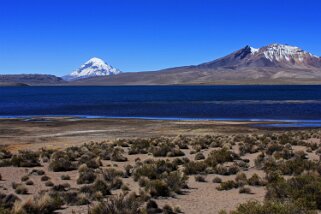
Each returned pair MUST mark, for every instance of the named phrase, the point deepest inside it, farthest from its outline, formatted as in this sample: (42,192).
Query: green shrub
(217,180)
(176,181)
(49,184)
(118,155)
(241,179)
(45,178)
(200,178)
(65,177)
(227,185)
(166,149)
(194,167)
(29,183)
(44,204)
(199,156)
(86,175)
(121,204)
(220,156)
(90,160)
(256,180)
(158,188)
(303,189)
(25,159)
(270,207)
(60,162)
(25,178)
(21,189)
(38,172)
(245,190)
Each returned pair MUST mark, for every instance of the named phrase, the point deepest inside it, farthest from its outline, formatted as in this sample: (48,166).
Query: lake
(302,103)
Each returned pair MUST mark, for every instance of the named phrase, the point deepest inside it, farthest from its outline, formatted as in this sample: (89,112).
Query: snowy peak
(274,55)
(286,54)
(92,68)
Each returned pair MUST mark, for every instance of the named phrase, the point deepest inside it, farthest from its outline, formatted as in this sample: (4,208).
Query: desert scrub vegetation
(166,149)
(271,207)
(220,156)
(86,175)
(65,177)
(129,204)
(7,202)
(25,159)
(44,204)
(160,177)
(60,162)
(5,157)
(103,184)
(227,185)
(200,178)
(21,189)
(303,189)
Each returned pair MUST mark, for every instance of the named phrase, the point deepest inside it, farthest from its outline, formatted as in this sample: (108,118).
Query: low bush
(24,178)
(7,202)
(166,149)
(217,180)
(121,204)
(158,188)
(194,167)
(245,190)
(241,179)
(303,189)
(227,185)
(44,204)
(21,189)
(86,175)
(200,178)
(176,181)
(60,162)
(65,177)
(37,172)
(220,156)
(118,155)
(45,178)
(270,207)
(49,184)
(199,156)
(29,183)
(256,180)
(25,159)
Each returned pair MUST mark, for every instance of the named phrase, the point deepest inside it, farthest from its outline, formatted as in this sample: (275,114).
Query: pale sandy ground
(64,132)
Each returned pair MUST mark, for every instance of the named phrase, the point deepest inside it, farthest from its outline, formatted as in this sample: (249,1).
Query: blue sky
(57,36)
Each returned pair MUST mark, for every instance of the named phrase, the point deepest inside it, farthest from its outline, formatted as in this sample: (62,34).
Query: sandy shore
(62,132)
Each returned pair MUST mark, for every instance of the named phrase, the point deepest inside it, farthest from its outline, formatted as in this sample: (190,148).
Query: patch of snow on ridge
(254,50)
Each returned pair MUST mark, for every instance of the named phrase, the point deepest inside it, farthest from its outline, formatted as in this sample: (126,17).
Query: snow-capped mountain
(93,68)
(271,64)
(274,55)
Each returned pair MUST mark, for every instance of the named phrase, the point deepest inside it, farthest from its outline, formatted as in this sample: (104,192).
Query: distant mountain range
(272,64)
(29,79)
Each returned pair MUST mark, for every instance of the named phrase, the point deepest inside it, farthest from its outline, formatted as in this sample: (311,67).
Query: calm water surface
(301,103)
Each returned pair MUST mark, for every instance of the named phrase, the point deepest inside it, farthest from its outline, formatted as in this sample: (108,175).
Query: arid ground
(218,164)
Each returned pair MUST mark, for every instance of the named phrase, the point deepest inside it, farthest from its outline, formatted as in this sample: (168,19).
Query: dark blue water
(194,102)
